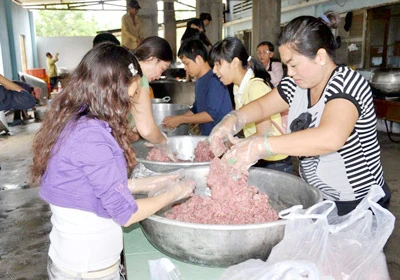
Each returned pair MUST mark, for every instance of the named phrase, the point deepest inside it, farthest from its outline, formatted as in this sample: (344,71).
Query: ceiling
(82,5)
(85,5)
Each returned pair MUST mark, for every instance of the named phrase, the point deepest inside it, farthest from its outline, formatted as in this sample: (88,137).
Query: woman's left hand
(247,152)
(144,185)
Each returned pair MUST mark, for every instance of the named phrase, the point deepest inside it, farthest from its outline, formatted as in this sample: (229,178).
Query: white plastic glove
(247,152)
(151,183)
(225,130)
(180,188)
(164,148)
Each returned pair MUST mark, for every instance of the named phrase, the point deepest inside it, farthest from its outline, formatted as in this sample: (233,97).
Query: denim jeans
(56,274)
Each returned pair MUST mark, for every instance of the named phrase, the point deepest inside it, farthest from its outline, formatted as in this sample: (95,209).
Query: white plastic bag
(286,270)
(163,269)
(341,247)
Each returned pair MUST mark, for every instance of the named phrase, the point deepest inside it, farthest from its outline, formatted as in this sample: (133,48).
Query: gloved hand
(225,130)
(151,183)
(180,188)
(247,152)
(164,148)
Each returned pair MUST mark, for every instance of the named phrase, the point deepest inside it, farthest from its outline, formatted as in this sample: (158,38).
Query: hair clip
(325,19)
(249,58)
(132,69)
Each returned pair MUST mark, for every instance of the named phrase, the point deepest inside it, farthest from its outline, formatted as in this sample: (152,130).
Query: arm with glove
(225,131)
(247,152)
(162,190)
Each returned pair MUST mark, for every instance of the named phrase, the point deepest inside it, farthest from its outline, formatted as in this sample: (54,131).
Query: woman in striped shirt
(331,123)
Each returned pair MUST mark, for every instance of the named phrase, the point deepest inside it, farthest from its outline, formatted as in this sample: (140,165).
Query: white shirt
(81,241)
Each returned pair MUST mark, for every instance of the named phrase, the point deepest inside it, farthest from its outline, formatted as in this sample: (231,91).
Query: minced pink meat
(157,154)
(202,153)
(220,147)
(231,202)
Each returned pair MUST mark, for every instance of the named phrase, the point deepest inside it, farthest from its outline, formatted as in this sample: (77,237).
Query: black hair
(267,43)
(232,47)
(192,48)
(205,16)
(306,35)
(105,37)
(154,46)
(134,4)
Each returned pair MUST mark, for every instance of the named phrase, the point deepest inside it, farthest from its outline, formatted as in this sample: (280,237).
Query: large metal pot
(225,245)
(182,146)
(386,80)
(165,99)
(162,110)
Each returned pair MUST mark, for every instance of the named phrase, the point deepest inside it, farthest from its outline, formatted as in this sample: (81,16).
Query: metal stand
(389,133)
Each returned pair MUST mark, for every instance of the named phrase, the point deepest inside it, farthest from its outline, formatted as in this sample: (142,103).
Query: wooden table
(388,110)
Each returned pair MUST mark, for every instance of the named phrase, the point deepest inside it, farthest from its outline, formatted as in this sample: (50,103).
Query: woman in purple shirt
(82,156)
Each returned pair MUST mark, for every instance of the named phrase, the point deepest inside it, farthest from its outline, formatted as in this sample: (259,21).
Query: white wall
(71,50)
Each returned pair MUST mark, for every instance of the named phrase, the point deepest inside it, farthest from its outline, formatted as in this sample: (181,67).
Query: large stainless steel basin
(225,245)
(183,146)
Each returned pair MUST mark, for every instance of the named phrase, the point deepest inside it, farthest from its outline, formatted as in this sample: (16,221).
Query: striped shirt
(348,173)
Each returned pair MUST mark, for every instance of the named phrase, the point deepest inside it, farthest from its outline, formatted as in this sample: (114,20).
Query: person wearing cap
(131,29)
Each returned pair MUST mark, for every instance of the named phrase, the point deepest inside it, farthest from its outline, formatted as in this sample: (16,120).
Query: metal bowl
(183,146)
(225,245)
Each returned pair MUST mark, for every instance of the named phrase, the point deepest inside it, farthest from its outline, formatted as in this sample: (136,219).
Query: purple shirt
(87,171)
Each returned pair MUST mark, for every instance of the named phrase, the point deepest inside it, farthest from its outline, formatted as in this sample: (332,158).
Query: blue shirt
(87,171)
(211,96)
(14,100)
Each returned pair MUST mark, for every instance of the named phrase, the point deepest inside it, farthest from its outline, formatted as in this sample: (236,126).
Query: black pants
(53,82)
(345,207)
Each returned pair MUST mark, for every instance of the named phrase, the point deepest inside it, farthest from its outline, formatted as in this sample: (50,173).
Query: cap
(134,4)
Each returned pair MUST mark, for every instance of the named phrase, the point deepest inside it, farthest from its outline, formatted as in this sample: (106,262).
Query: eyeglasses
(264,52)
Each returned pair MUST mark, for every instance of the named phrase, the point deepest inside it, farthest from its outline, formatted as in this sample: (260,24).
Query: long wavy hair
(97,89)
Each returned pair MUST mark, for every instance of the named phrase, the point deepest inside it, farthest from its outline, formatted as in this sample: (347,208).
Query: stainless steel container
(225,245)
(165,99)
(386,80)
(182,146)
(162,110)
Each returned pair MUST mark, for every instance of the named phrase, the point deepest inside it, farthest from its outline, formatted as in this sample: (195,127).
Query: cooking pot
(162,110)
(225,245)
(165,99)
(386,80)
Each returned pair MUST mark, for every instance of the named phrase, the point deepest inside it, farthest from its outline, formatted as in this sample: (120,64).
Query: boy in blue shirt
(212,99)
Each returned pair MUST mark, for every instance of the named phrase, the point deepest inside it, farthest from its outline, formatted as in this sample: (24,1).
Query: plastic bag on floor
(163,269)
(341,247)
(285,270)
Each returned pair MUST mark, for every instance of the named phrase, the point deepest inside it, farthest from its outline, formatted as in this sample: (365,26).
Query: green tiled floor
(138,251)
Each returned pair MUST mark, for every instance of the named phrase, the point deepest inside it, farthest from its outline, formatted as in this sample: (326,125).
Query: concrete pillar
(148,15)
(216,10)
(266,22)
(170,26)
